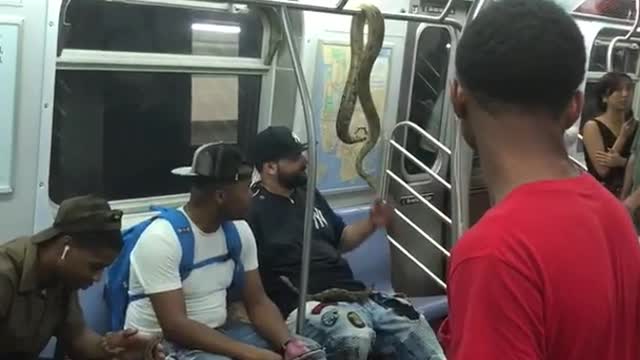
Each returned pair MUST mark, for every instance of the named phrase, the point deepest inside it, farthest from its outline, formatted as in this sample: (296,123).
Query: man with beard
(356,322)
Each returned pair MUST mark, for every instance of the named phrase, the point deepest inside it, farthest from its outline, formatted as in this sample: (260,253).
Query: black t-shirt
(278,225)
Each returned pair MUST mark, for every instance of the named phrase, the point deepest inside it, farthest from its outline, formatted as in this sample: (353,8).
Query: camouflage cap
(82,214)
(219,162)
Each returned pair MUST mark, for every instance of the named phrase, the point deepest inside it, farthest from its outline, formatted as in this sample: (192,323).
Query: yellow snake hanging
(357,85)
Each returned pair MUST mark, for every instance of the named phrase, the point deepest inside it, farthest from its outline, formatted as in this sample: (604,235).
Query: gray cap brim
(184,171)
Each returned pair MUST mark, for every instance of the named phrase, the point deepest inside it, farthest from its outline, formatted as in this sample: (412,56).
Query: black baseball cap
(218,162)
(82,214)
(275,143)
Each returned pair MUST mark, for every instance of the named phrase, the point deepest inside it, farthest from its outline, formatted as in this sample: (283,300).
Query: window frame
(599,41)
(440,165)
(112,61)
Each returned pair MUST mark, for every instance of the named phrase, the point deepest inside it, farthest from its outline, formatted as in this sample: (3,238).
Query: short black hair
(607,85)
(98,240)
(201,185)
(524,53)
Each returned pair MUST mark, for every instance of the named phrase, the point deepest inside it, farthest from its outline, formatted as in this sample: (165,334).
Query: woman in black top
(608,136)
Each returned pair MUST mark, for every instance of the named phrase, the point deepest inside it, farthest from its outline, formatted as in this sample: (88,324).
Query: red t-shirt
(552,272)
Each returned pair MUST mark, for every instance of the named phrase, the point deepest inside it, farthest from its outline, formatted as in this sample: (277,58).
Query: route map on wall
(336,161)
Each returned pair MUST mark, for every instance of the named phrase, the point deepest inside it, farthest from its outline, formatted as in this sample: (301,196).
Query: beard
(293,181)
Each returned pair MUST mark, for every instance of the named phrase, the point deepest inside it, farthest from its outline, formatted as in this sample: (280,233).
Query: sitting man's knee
(356,345)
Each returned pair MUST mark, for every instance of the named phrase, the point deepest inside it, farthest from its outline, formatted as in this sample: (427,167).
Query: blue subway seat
(371,264)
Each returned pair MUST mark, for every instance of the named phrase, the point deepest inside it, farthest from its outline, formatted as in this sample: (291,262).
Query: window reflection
(119,134)
(427,95)
(102,25)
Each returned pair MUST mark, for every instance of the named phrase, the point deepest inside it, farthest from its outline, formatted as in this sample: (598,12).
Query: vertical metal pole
(311,169)
(386,161)
(459,195)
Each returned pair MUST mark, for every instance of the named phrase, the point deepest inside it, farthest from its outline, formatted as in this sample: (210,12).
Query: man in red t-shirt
(552,271)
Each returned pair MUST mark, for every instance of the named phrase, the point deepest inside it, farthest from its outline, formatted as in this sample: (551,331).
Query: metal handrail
(441,18)
(421,198)
(388,174)
(415,227)
(420,164)
(415,261)
(422,132)
(199,3)
(578,163)
(305,97)
(338,9)
(180,4)
(616,39)
(341,4)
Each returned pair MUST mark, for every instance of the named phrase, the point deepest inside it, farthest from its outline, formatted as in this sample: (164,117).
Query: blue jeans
(384,325)
(237,331)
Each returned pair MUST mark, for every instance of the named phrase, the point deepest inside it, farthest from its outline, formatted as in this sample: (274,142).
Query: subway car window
(625,56)
(119,134)
(427,95)
(103,25)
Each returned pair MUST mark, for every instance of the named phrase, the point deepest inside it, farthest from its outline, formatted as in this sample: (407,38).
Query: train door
(426,105)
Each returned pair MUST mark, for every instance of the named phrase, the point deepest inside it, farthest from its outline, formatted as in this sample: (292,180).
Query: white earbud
(64,252)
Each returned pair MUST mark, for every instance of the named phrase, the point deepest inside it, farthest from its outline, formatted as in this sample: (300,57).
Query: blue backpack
(116,291)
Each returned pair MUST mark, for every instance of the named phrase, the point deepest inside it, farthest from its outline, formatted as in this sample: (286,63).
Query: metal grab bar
(312,161)
(454,190)
(200,3)
(416,261)
(415,227)
(180,4)
(578,163)
(420,164)
(424,134)
(338,9)
(616,39)
(341,4)
(426,202)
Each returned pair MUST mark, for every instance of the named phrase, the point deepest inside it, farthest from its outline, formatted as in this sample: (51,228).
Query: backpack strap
(182,227)
(234,251)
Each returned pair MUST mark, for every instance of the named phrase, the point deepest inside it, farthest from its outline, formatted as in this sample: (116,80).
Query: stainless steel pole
(311,169)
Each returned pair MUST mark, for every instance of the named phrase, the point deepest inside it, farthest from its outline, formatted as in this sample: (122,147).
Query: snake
(357,85)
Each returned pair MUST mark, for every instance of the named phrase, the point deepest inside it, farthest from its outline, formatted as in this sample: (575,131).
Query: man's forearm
(354,235)
(268,321)
(194,335)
